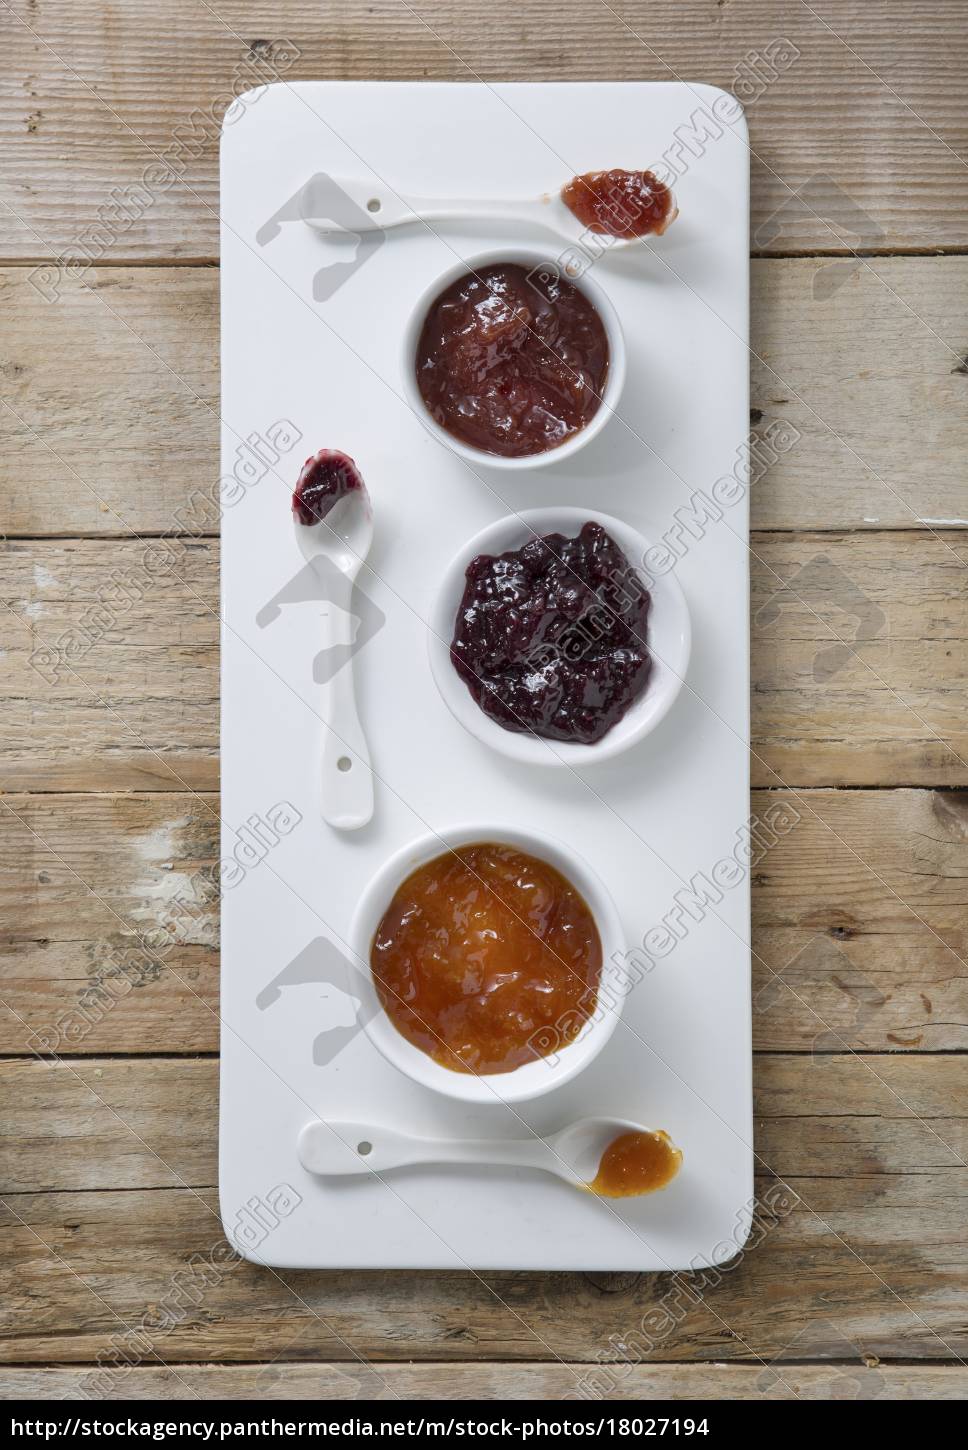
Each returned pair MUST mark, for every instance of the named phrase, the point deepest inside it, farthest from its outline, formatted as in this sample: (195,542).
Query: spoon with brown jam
(607,1156)
(622,206)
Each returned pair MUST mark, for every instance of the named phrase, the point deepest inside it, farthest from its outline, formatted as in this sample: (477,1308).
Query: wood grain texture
(111,920)
(100,93)
(871,380)
(859,924)
(112,669)
(110,678)
(857,658)
(867,1257)
(111,400)
(859,921)
(101,1123)
(280,1381)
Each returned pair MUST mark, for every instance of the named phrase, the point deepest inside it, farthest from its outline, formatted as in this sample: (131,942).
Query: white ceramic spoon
(336,548)
(380,209)
(339,1150)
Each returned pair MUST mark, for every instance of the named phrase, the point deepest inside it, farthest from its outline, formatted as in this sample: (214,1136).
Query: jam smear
(636,1163)
(487,958)
(512,362)
(550,638)
(325,478)
(621,203)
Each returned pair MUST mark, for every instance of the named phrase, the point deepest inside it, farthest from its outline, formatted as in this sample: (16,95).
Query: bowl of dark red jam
(554,642)
(510,362)
(442,969)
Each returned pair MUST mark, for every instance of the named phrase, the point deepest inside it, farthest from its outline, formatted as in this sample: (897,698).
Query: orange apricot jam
(487,958)
(636,1163)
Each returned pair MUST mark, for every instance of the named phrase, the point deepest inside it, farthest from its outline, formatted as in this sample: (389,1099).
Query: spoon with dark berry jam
(333,520)
(622,206)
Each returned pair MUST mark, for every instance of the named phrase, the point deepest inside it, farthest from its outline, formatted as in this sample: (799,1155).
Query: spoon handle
(347,779)
(340,1150)
(375,208)
(346,784)
(409,211)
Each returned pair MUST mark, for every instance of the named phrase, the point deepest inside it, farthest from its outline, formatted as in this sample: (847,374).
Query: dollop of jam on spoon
(621,204)
(325,478)
(635,1163)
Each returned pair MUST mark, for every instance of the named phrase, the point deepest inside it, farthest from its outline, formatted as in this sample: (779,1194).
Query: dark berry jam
(325,479)
(551,638)
(512,362)
(620,203)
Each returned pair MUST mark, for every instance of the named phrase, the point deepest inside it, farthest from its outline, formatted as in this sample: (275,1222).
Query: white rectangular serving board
(328,366)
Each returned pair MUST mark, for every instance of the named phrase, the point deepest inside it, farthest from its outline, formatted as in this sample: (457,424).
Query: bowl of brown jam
(552,641)
(495,962)
(511,363)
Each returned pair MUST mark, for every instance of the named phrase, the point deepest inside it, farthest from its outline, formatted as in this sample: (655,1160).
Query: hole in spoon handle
(346,785)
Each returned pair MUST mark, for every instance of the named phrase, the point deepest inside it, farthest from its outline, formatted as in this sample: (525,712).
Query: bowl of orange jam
(496,962)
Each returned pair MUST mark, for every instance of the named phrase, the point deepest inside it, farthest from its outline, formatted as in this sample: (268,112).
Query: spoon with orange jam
(606,1156)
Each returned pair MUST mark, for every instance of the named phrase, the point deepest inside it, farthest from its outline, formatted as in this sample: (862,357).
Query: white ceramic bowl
(614,382)
(534,1078)
(668,637)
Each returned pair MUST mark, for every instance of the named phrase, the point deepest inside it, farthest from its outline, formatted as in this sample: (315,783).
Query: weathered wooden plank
(111,421)
(508,1381)
(146,1123)
(860,924)
(92,1124)
(103,95)
(85,881)
(871,381)
(860,927)
(863,1255)
(856,650)
(110,678)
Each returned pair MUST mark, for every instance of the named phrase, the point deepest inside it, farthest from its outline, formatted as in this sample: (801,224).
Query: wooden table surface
(109,386)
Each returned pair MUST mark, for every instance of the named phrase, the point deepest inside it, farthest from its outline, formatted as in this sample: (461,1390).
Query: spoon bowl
(343,537)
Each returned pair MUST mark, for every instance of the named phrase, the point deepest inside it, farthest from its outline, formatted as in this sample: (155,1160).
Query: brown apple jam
(512,362)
